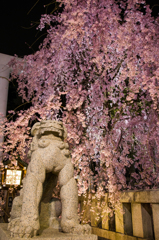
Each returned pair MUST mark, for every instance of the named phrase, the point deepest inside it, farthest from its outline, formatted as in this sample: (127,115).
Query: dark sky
(15,33)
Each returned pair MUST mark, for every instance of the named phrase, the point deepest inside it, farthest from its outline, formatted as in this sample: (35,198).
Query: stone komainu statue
(50,162)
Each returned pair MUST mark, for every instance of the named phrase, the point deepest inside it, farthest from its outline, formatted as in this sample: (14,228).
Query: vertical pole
(105,214)
(137,220)
(4,76)
(155,213)
(119,219)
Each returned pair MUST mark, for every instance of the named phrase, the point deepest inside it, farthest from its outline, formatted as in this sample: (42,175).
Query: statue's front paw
(76,228)
(21,229)
(23,232)
(82,229)
(12,223)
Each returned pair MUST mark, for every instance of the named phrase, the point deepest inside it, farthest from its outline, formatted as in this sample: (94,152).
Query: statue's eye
(42,143)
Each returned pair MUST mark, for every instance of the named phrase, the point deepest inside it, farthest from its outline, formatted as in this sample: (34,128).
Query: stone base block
(46,234)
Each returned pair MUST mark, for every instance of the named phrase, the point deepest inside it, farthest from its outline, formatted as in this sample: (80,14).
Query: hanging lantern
(11,182)
(13,177)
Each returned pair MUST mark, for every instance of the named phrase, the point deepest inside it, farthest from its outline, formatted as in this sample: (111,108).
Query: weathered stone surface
(148,196)
(50,161)
(119,219)
(106,234)
(47,234)
(137,220)
(155,211)
(49,214)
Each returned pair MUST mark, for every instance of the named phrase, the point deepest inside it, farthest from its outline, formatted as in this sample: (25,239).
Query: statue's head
(46,127)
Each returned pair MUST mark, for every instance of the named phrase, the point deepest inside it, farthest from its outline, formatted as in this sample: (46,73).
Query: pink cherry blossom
(106,64)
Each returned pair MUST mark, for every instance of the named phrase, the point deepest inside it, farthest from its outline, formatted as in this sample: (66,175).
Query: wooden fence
(139,221)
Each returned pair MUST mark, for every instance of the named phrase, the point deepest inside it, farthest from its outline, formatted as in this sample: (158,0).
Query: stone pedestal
(47,234)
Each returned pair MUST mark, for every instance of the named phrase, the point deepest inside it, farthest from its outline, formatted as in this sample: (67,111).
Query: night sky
(16,33)
(16,17)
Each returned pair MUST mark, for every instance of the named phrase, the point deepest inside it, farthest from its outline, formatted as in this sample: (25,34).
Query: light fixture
(13,177)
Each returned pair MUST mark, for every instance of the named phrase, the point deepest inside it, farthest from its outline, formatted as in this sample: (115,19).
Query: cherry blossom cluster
(103,57)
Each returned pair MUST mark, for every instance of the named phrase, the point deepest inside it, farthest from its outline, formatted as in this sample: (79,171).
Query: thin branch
(54,10)
(17,108)
(35,23)
(33,7)
(155,6)
(5,78)
(46,5)
(30,47)
(37,39)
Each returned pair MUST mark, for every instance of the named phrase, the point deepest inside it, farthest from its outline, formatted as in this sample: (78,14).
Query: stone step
(46,234)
